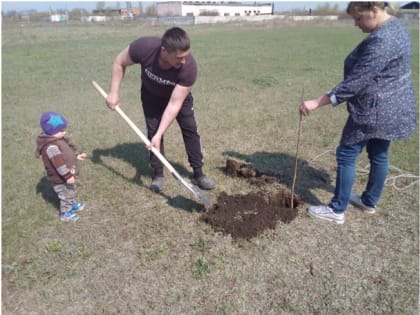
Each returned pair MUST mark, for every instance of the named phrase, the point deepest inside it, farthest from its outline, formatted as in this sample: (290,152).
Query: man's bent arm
(172,109)
(121,62)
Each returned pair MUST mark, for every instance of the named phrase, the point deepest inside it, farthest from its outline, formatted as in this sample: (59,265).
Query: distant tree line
(73,15)
(320,10)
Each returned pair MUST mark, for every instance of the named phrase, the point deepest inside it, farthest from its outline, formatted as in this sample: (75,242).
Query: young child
(60,160)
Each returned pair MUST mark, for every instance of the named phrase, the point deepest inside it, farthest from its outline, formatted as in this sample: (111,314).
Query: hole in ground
(246,216)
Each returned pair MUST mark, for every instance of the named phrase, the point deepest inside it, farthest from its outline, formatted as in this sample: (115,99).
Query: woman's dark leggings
(153,108)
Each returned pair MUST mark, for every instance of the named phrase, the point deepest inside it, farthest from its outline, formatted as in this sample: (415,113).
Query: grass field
(136,252)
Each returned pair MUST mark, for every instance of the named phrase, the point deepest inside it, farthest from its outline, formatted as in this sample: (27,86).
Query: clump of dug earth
(246,216)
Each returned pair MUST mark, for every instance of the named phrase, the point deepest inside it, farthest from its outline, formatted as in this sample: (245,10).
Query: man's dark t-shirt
(159,82)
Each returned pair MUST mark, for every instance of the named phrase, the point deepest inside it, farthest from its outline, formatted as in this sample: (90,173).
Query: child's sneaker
(69,216)
(77,206)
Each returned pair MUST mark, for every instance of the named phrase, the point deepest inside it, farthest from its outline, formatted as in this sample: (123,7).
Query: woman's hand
(310,105)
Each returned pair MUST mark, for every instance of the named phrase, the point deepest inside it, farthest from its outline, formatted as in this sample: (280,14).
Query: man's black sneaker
(157,183)
(204,182)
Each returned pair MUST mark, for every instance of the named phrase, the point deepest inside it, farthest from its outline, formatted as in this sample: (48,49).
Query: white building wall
(96,18)
(59,18)
(235,19)
(173,8)
(262,18)
(178,8)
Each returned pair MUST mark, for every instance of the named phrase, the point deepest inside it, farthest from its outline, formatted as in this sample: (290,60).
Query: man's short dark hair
(175,39)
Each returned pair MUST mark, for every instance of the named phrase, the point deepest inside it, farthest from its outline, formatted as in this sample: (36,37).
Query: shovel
(192,188)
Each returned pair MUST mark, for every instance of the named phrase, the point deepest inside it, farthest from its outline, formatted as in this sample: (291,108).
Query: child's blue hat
(52,122)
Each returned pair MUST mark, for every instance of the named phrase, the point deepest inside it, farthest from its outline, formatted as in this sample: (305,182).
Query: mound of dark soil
(235,168)
(246,216)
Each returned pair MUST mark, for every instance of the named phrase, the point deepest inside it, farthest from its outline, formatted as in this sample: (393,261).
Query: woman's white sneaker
(326,213)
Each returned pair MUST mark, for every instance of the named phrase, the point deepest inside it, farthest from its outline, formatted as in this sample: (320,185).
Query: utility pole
(129,10)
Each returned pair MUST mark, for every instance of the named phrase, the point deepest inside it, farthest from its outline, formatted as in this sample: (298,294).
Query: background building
(410,10)
(211,8)
(60,18)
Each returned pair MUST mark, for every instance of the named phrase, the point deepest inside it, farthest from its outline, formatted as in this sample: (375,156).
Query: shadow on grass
(282,166)
(184,203)
(47,192)
(134,154)
(137,155)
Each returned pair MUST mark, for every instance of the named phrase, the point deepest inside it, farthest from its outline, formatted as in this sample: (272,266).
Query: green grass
(136,252)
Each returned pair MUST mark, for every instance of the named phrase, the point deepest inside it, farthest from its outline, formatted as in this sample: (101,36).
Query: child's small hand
(82,156)
(71,180)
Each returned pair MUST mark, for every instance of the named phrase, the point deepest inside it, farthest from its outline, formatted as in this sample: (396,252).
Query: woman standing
(381,102)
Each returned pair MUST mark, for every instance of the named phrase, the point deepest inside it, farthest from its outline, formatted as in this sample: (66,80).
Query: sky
(41,6)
